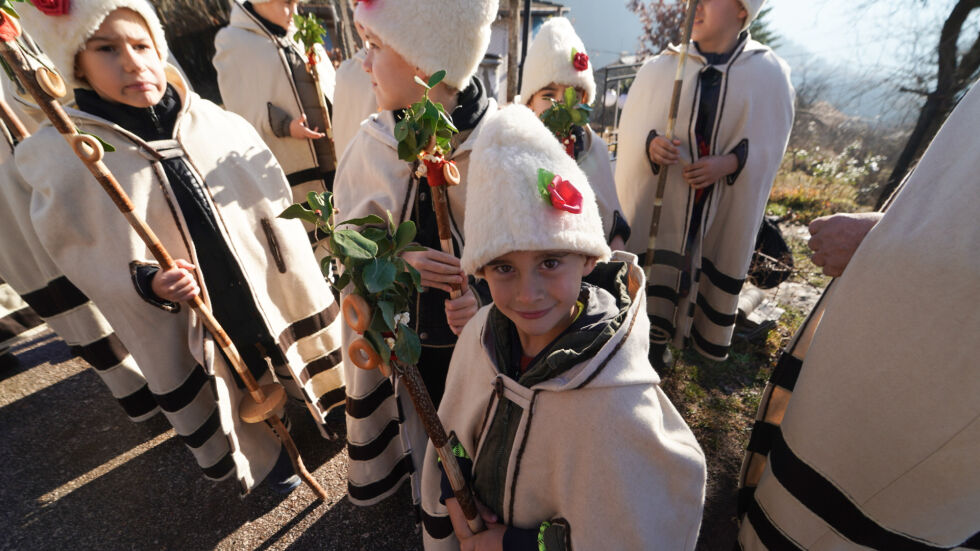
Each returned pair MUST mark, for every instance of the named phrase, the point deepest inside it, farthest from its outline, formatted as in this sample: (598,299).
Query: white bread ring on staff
(357,313)
(87,147)
(362,355)
(51,82)
(451,173)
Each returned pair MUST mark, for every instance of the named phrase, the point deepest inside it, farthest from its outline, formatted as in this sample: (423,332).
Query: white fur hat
(61,37)
(549,59)
(433,34)
(506,212)
(753,7)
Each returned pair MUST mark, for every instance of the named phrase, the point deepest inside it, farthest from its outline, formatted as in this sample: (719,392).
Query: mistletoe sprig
(309,33)
(373,268)
(562,115)
(422,122)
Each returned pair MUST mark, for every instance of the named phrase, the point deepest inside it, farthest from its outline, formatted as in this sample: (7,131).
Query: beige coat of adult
(879,445)
(182,365)
(756,105)
(599,446)
(29,270)
(372,180)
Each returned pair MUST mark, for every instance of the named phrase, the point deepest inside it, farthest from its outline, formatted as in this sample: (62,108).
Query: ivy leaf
(405,234)
(363,221)
(295,211)
(406,152)
(571,96)
(316,201)
(408,347)
(377,342)
(342,281)
(387,313)
(375,234)
(436,78)
(106,146)
(349,243)
(401,129)
(379,275)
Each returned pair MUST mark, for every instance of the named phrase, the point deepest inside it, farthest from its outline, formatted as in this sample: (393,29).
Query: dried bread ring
(451,173)
(87,147)
(357,313)
(51,82)
(362,354)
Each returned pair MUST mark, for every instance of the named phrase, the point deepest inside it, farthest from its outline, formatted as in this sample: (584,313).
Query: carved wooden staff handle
(262,402)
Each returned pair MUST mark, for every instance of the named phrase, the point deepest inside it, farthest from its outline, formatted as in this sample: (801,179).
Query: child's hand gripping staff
(659,334)
(423,135)
(309,32)
(46,86)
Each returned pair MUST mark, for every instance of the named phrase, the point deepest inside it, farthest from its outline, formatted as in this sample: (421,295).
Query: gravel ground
(79,475)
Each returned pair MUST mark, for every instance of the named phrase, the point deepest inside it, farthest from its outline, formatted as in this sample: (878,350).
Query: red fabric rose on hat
(560,192)
(52,7)
(580,60)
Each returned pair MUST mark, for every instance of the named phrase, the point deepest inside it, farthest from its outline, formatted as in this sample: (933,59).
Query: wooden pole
(443,444)
(327,126)
(513,45)
(675,99)
(265,400)
(13,123)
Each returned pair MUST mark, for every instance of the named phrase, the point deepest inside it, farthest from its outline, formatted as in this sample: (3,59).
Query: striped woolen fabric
(878,444)
(16,317)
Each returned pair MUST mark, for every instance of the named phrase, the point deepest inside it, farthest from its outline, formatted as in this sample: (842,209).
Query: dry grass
(799,197)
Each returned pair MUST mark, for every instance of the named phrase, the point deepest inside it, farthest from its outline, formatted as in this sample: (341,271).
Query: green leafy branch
(423,121)
(373,267)
(309,33)
(562,115)
(8,7)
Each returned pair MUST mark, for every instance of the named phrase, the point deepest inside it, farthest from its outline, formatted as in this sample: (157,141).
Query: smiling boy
(736,111)
(573,444)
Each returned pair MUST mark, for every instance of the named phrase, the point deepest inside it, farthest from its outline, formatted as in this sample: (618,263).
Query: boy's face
(717,18)
(392,78)
(541,100)
(537,290)
(121,63)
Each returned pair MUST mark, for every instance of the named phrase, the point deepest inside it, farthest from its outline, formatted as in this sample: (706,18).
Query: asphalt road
(77,474)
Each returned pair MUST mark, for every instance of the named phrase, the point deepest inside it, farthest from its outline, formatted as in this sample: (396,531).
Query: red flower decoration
(52,7)
(9,29)
(580,61)
(564,196)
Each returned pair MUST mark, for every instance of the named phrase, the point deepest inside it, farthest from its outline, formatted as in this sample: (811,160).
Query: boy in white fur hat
(570,441)
(262,76)
(736,111)
(407,39)
(557,60)
(210,189)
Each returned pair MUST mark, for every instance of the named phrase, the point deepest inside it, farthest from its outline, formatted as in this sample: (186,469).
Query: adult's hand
(834,239)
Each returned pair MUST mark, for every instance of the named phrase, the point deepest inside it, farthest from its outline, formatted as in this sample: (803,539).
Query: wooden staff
(13,123)
(675,100)
(441,173)
(45,86)
(422,402)
(311,65)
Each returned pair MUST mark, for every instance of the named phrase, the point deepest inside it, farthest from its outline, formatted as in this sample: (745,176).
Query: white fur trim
(433,34)
(61,37)
(549,59)
(504,210)
(753,7)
